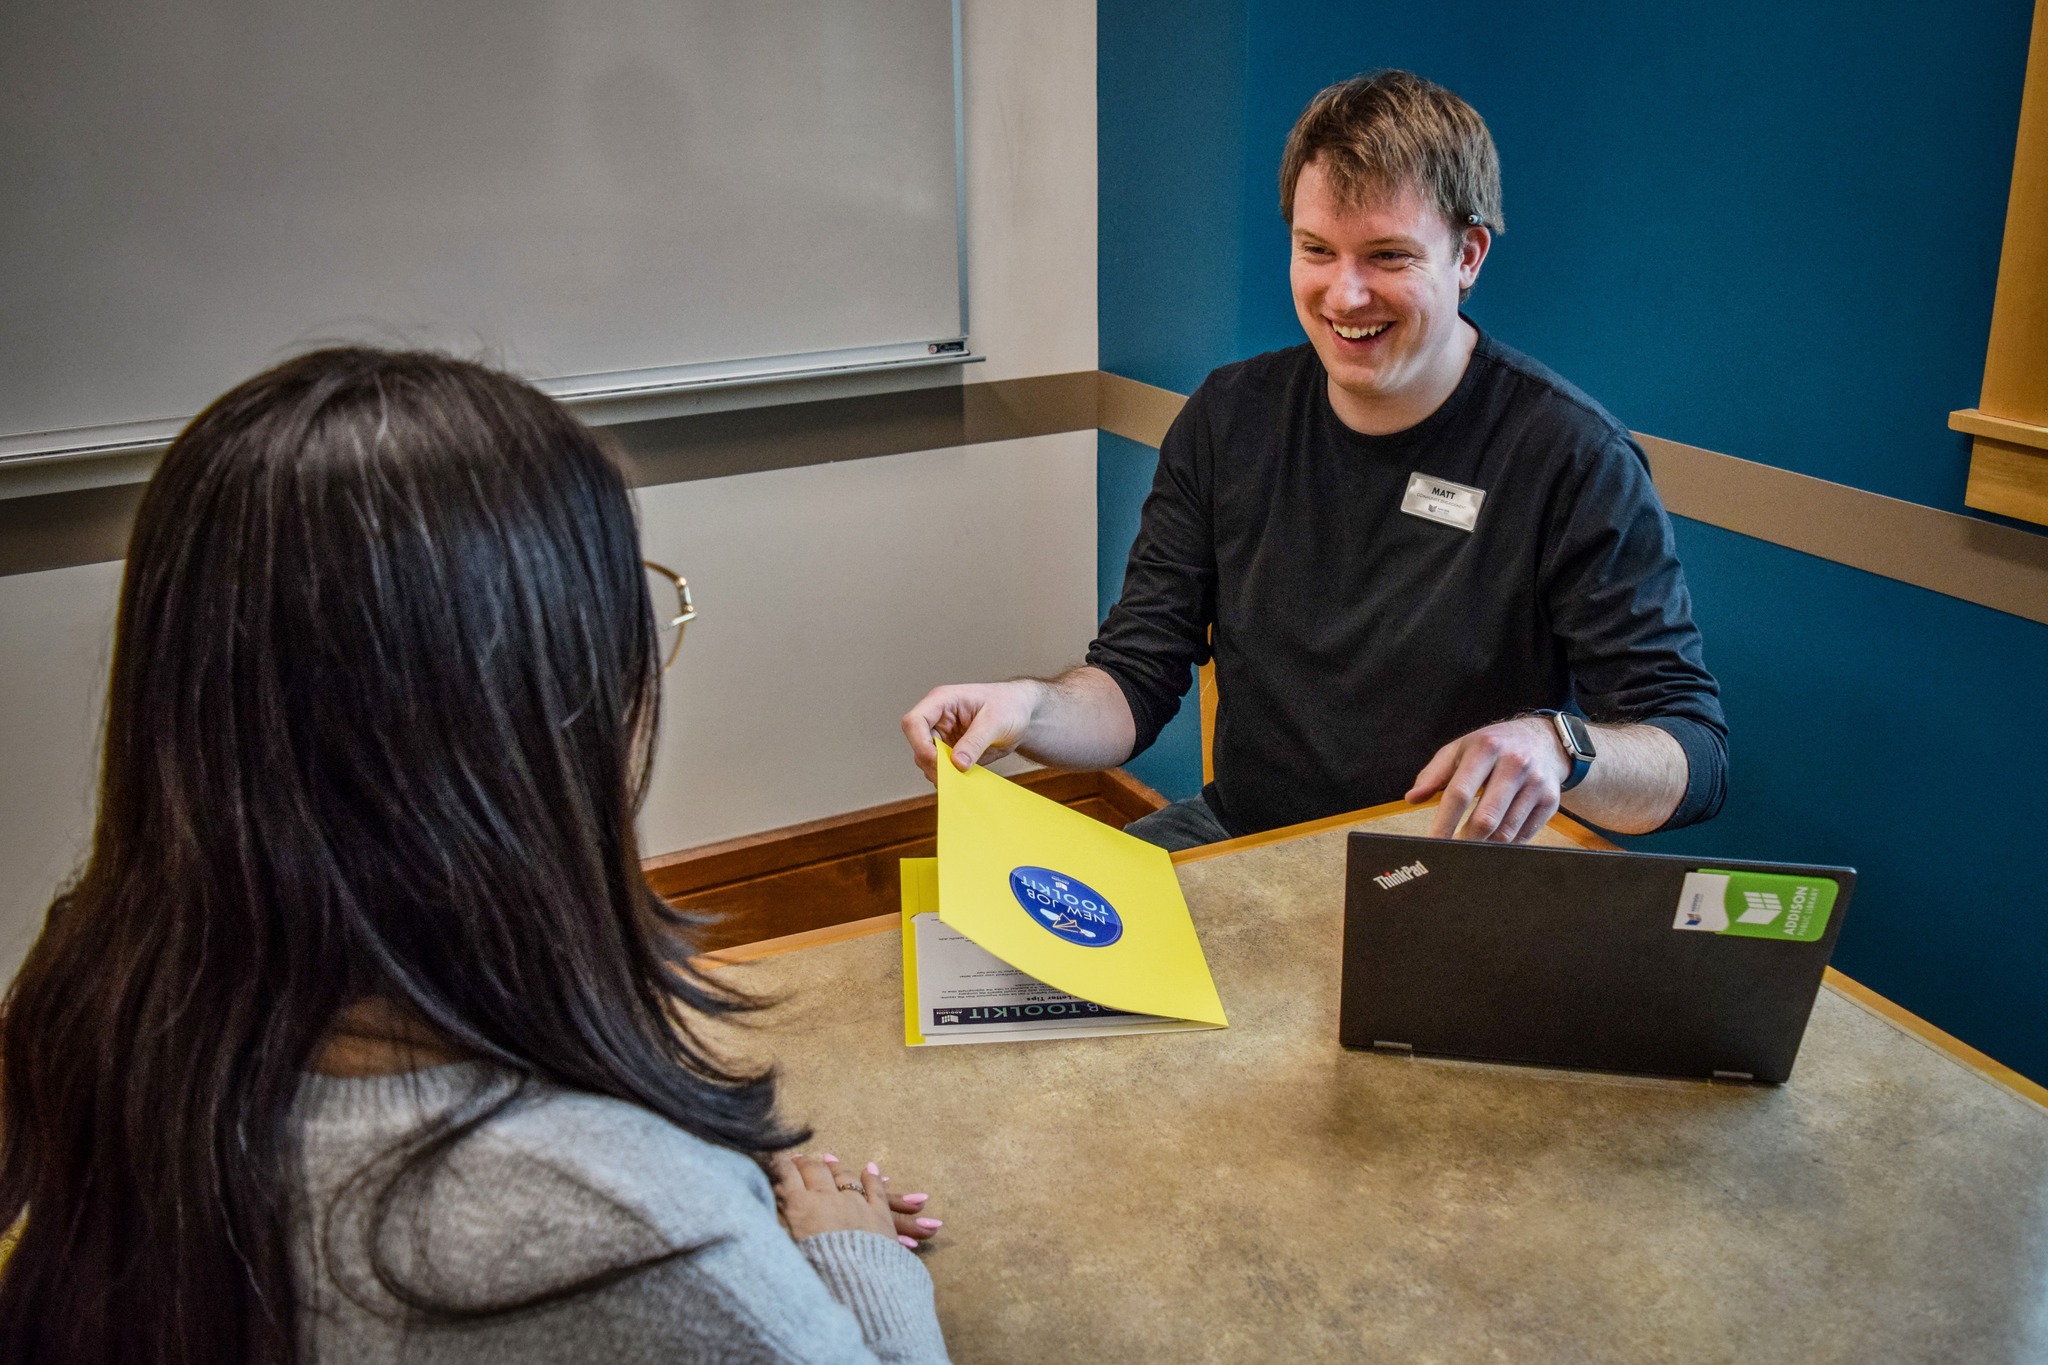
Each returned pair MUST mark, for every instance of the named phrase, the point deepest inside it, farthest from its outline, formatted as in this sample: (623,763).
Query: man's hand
(982,721)
(1077,720)
(1513,770)
(1519,765)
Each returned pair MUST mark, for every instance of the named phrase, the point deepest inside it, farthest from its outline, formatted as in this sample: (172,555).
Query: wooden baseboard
(843,868)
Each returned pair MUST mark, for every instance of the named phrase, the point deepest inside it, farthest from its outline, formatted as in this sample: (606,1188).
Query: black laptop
(1576,958)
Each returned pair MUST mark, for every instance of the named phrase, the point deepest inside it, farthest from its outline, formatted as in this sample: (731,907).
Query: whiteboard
(611,196)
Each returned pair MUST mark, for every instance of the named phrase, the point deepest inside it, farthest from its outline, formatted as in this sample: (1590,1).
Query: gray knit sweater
(560,1187)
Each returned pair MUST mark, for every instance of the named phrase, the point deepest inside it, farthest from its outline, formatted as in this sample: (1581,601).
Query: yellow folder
(920,895)
(1085,908)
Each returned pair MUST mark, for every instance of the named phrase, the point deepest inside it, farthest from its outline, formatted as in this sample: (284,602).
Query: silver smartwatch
(1577,741)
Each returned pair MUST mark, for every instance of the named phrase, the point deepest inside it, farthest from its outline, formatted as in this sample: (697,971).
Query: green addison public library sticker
(1755,904)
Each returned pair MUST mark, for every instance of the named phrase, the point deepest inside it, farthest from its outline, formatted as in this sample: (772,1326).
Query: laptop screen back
(1583,959)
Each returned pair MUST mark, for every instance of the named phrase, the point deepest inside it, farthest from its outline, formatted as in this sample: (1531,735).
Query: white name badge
(1439,500)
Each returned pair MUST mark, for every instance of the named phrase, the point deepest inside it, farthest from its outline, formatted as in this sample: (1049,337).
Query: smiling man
(1424,563)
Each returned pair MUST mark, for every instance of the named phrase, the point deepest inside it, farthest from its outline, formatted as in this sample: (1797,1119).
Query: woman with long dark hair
(360,1035)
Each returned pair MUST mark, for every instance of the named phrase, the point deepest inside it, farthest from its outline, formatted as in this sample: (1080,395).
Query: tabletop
(1261,1193)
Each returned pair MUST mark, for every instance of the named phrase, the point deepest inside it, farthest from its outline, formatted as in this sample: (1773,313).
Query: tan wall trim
(1133,410)
(90,525)
(1945,552)
(57,530)
(1958,556)
(749,440)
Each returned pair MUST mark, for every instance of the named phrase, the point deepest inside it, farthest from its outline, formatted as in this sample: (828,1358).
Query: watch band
(1580,754)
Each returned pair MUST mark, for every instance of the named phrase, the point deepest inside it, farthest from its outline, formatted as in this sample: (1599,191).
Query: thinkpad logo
(1389,880)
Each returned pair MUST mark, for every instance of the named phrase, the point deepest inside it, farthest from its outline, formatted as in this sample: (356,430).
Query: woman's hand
(814,1195)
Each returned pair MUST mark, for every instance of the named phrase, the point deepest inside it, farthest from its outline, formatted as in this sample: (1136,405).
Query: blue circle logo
(1066,908)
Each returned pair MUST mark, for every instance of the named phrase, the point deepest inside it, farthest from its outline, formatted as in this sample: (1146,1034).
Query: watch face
(1582,738)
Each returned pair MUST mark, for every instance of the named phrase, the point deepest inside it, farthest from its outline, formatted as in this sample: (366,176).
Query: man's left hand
(1507,775)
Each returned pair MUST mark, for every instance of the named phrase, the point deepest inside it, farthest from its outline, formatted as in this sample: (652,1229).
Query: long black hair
(384,688)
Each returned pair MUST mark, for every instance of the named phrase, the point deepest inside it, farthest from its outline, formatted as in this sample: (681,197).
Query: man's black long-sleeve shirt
(1353,639)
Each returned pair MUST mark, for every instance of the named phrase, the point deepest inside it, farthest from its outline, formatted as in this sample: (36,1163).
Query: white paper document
(967,994)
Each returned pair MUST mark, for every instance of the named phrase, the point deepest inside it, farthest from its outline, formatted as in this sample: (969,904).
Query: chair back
(1205,682)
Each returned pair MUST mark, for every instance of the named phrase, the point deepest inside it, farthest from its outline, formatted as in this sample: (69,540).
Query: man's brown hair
(1385,130)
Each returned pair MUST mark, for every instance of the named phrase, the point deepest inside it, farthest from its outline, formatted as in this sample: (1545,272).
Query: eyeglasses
(662,580)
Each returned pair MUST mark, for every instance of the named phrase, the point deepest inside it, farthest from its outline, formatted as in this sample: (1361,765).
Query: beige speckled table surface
(1261,1194)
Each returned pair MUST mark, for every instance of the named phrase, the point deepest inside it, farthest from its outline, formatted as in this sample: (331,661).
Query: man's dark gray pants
(1184,824)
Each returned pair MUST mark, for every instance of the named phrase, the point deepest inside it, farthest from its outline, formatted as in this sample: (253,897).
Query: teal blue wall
(1768,230)
(1170,101)
(1123,471)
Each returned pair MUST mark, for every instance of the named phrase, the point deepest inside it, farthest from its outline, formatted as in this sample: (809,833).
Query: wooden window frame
(2009,452)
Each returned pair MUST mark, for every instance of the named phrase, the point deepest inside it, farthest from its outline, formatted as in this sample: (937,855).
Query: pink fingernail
(930,1224)
(915,1198)
(910,1242)
(873,1169)
(829,1157)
